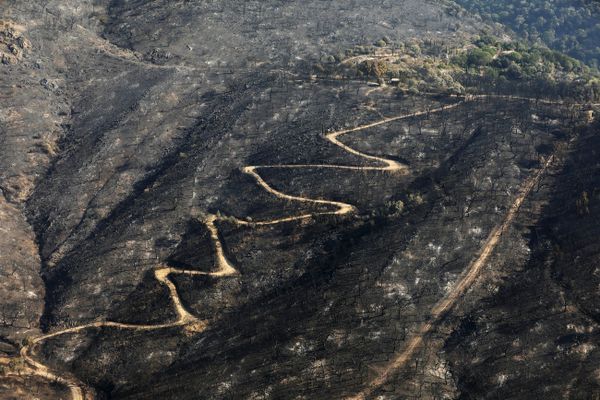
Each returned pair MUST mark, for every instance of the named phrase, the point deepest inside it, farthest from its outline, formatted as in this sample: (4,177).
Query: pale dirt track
(184,317)
(464,283)
(224,268)
(341,208)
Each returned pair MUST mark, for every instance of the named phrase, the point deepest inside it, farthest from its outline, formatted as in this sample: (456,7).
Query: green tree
(478,58)
(549,36)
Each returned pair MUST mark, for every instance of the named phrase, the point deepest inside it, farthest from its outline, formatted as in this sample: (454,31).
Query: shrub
(416,198)
(513,72)
(478,57)
(583,204)
(381,43)
(375,68)
(396,208)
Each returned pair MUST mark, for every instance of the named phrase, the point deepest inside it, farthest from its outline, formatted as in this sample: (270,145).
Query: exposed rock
(12,42)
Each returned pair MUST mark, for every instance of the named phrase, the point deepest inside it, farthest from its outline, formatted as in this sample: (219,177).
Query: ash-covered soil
(124,123)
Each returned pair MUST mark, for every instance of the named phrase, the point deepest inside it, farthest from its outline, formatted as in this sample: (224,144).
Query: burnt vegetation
(126,204)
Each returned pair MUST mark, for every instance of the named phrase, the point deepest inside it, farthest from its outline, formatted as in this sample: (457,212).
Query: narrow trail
(184,318)
(341,208)
(224,268)
(441,309)
(127,55)
(366,57)
(473,97)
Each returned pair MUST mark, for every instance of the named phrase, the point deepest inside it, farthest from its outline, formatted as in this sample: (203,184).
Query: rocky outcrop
(12,42)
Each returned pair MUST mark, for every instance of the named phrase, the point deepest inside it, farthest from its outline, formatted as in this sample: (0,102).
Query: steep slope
(541,326)
(215,214)
(327,334)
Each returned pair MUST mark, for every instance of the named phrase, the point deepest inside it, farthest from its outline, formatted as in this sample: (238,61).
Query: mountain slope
(215,200)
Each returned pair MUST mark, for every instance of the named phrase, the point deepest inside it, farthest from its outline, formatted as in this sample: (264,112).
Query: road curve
(341,208)
(185,319)
(224,268)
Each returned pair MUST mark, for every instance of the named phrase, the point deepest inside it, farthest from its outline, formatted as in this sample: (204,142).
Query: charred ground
(125,123)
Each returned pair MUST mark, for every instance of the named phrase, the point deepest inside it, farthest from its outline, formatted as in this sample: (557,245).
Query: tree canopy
(569,26)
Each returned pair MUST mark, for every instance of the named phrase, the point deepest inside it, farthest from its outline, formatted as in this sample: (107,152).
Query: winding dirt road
(341,208)
(225,269)
(184,318)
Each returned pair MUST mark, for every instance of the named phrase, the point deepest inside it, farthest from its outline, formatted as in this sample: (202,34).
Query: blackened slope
(121,245)
(537,337)
(364,290)
(235,34)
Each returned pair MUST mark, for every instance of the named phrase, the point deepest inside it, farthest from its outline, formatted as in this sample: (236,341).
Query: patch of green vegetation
(477,57)
(485,64)
(395,208)
(552,71)
(569,26)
